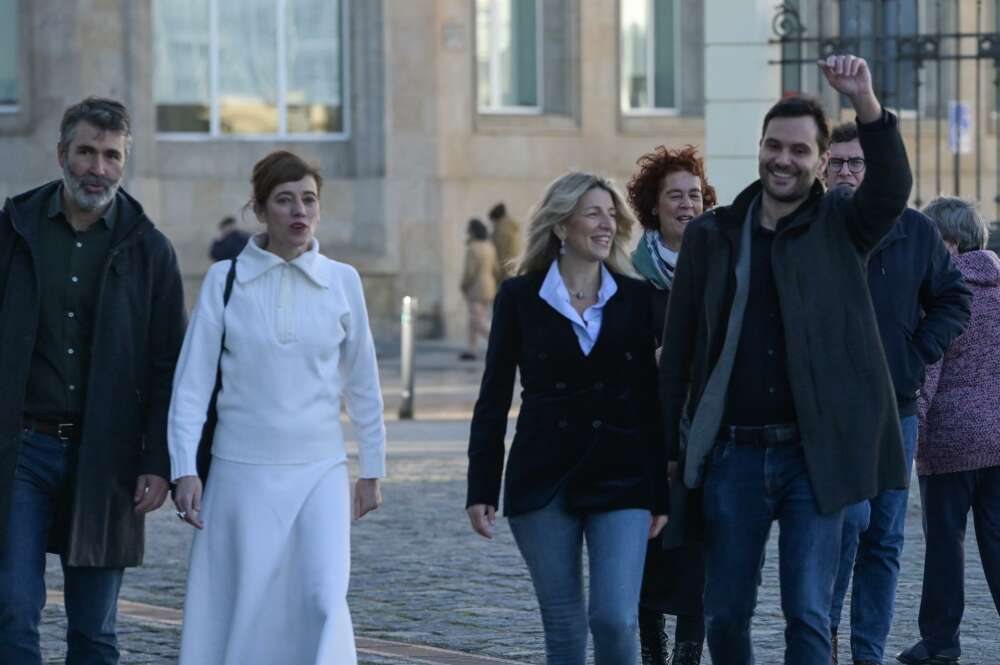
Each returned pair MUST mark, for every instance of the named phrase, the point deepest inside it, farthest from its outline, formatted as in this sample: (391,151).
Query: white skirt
(268,578)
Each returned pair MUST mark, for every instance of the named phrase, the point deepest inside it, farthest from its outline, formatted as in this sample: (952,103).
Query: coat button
(562,424)
(596,424)
(599,385)
(628,355)
(560,386)
(543,355)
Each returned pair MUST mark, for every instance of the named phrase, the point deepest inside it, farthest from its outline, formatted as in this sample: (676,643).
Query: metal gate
(934,62)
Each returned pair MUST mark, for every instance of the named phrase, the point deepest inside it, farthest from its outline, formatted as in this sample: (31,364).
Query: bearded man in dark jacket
(771,352)
(91,322)
(921,304)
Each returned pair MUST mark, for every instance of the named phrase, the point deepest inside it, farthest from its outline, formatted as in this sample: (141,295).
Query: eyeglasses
(854,164)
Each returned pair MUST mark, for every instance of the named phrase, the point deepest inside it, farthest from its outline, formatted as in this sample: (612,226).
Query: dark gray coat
(138,330)
(840,382)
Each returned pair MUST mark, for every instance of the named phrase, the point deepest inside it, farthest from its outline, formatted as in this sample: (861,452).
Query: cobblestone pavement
(420,576)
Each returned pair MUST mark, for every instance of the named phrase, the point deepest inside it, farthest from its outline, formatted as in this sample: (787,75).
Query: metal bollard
(407,319)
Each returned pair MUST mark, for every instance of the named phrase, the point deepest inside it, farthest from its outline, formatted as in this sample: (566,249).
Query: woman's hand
(657,524)
(187,498)
(483,518)
(367,497)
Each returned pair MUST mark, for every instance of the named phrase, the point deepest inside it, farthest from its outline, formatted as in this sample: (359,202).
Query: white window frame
(494,69)
(215,133)
(652,111)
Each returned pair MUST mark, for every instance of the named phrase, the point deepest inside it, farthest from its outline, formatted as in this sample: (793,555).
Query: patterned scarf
(664,258)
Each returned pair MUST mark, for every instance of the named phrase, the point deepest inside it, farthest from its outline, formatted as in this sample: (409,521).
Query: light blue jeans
(870,548)
(551,542)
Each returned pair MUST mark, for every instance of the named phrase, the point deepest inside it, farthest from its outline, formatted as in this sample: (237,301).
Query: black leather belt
(764,436)
(66,429)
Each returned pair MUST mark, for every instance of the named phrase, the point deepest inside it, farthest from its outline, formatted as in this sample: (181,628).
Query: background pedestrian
(958,458)
(479,284)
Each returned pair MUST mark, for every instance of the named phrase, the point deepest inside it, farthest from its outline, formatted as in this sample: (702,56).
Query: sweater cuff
(180,468)
(371,467)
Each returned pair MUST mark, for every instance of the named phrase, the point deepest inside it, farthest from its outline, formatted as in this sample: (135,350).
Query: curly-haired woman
(668,191)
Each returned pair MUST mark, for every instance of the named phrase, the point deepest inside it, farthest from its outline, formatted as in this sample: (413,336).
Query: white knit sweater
(297,338)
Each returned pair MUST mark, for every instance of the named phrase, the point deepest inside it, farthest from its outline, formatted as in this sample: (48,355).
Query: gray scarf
(704,429)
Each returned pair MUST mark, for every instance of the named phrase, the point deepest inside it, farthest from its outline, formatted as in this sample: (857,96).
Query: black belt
(64,429)
(763,436)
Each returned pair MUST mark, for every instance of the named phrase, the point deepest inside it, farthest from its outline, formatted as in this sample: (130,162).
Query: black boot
(652,638)
(686,653)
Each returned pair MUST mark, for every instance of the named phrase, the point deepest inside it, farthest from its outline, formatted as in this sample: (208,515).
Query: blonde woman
(587,462)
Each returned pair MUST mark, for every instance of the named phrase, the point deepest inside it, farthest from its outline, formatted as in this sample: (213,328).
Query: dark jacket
(229,246)
(587,423)
(844,399)
(139,326)
(921,302)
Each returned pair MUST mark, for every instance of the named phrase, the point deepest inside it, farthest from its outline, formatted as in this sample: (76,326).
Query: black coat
(673,579)
(921,302)
(844,399)
(138,330)
(587,423)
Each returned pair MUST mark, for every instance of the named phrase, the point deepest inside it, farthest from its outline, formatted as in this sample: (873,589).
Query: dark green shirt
(70,264)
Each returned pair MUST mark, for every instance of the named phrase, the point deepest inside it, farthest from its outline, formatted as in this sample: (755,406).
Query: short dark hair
(845,132)
(497,212)
(795,107)
(277,168)
(108,115)
(477,230)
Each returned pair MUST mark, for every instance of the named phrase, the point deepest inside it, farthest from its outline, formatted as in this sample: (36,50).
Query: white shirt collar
(254,261)
(554,290)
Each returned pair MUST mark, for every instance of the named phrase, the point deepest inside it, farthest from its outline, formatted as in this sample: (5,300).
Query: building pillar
(740,86)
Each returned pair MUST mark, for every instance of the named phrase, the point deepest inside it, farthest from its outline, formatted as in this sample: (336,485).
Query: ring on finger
(182,514)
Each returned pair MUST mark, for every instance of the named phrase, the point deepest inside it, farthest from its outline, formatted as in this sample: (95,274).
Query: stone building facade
(420,113)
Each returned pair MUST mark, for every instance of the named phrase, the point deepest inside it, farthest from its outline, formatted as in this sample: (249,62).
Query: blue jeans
(746,489)
(551,542)
(947,499)
(43,476)
(871,546)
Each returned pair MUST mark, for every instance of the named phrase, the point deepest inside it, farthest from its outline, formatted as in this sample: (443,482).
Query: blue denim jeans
(43,476)
(551,542)
(947,499)
(746,489)
(871,546)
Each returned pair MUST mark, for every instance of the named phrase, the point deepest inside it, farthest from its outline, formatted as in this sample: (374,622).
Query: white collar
(553,285)
(254,261)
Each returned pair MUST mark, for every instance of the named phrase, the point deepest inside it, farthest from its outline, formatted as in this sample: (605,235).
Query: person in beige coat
(479,283)
(506,239)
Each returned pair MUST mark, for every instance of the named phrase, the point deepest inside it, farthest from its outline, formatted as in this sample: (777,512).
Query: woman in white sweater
(271,557)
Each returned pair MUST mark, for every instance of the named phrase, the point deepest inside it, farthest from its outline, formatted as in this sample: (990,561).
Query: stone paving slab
(420,576)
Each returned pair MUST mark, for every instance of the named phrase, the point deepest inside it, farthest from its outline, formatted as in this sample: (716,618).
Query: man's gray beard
(88,202)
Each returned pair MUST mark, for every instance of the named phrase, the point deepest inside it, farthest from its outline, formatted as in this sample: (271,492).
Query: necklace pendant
(579,295)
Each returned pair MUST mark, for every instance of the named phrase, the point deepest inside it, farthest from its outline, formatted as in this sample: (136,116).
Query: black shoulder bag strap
(212,417)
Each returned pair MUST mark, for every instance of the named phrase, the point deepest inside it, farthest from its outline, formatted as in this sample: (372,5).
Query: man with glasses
(921,305)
